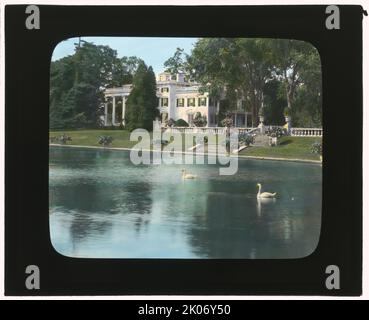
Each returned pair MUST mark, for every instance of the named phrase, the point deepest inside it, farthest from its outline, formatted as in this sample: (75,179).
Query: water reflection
(103,206)
(264,201)
(83,225)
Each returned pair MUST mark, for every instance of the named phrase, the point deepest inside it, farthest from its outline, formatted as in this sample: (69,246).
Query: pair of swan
(186,175)
(265,195)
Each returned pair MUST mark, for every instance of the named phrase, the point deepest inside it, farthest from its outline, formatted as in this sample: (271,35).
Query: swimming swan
(187,175)
(264,195)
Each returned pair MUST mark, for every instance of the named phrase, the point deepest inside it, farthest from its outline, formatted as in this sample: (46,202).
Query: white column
(106,114)
(169,107)
(113,114)
(124,110)
(207,111)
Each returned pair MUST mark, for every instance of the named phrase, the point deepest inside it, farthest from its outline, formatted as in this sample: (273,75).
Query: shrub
(53,139)
(317,147)
(171,122)
(199,120)
(276,132)
(105,140)
(181,123)
(64,138)
(245,138)
(227,121)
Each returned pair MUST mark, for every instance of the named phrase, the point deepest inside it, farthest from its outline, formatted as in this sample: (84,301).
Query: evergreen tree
(142,103)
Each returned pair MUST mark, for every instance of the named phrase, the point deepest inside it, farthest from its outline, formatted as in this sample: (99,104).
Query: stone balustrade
(296,132)
(306,132)
(203,130)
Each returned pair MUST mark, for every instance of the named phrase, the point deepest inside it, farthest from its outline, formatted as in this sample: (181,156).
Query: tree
(289,58)
(177,63)
(77,83)
(254,71)
(274,103)
(308,102)
(142,103)
(126,68)
(232,69)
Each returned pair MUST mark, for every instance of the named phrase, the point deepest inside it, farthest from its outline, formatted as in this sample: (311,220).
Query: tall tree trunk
(289,97)
(254,111)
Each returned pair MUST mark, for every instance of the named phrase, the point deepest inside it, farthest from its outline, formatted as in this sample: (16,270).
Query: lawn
(91,137)
(289,148)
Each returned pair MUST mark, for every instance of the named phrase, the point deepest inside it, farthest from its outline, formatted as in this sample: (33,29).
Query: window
(164,77)
(180,102)
(202,102)
(190,102)
(165,89)
(164,102)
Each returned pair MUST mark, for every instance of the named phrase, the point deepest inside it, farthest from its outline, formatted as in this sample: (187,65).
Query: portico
(115,105)
(178,98)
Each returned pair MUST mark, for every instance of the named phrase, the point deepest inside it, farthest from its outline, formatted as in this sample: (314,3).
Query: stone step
(210,148)
(261,141)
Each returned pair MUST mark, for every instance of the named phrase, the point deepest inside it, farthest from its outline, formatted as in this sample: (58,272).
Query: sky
(154,51)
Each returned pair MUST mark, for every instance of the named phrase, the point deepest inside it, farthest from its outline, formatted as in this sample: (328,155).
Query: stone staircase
(261,141)
(211,149)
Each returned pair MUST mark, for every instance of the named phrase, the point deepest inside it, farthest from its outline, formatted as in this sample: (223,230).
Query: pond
(103,206)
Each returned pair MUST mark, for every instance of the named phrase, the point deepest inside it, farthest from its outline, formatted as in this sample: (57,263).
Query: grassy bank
(288,148)
(91,137)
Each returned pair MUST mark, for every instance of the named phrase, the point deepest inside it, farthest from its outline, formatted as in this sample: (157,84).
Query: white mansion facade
(178,99)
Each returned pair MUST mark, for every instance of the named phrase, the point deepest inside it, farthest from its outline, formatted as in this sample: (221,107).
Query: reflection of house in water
(178,98)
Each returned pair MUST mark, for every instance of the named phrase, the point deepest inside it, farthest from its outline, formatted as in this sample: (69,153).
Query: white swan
(188,175)
(264,195)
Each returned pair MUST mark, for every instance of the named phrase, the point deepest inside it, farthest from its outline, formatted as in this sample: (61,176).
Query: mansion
(177,99)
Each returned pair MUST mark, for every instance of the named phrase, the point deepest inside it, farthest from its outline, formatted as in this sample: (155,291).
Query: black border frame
(27,239)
